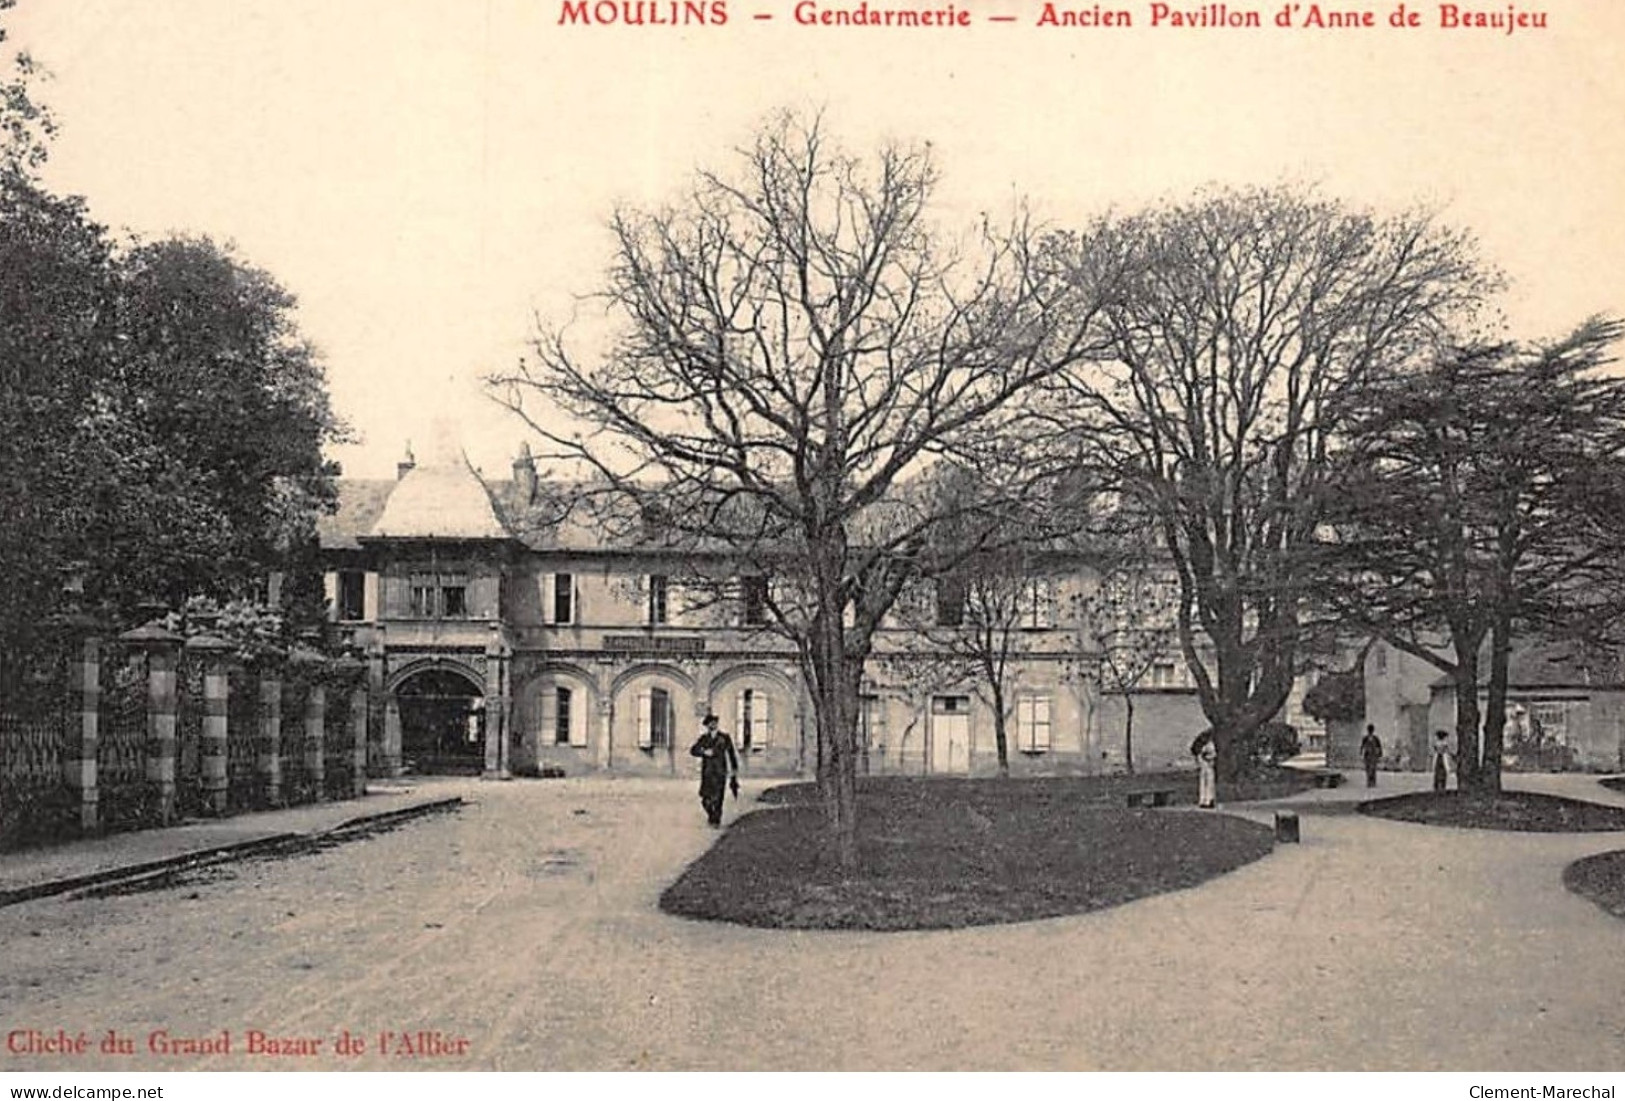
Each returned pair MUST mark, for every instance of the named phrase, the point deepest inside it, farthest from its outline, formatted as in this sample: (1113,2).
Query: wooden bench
(1153,797)
(1328,779)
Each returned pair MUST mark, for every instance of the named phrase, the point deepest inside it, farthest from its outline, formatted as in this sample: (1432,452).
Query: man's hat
(710,717)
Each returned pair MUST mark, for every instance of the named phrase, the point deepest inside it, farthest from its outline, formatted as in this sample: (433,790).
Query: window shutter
(1041,723)
(330,589)
(764,719)
(1024,724)
(645,719)
(578,719)
(548,596)
(739,718)
(550,718)
(576,615)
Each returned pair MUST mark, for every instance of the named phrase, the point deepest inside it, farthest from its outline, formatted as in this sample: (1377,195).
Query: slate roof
(361,501)
(452,501)
(1553,665)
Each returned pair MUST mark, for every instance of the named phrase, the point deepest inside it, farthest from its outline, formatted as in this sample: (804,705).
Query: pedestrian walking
(719,768)
(1441,760)
(1371,754)
(1206,753)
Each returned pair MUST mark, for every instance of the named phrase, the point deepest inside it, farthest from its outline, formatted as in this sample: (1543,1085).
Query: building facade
(1565,708)
(505,636)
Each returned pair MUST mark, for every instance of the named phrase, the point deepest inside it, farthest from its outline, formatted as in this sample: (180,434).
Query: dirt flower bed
(1524,811)
(948,854)
(1600,878)
(1271,783)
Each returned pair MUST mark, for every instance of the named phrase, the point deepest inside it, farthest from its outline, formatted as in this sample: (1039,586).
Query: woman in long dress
(1441,760)
(1207,756)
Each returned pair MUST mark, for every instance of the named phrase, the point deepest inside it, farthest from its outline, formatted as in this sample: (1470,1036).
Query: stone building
(1565,708)
(504,635)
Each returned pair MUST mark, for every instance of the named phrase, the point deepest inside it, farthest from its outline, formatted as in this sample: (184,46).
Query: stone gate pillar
(84,718)
(212,651)
(352,674)
(268,761)
(307,668)
(316,738)
(163,649)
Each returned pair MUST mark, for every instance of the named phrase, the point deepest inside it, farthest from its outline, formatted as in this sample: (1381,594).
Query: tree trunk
(836,675)
(835,700)
(1495,711)
(1467,717)
(1128,729)
(1000,736)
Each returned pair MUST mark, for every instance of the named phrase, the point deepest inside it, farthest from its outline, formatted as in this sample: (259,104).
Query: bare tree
(1127,626)
(794,346)
(1233,320)
(979,630)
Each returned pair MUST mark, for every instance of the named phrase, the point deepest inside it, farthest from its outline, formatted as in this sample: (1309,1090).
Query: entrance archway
(442,722)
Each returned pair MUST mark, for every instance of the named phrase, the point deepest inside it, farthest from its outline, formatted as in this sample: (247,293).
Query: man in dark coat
(719,769)
(1371,754)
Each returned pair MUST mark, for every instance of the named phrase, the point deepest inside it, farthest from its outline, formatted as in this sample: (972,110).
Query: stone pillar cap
(208,644)
(151,634)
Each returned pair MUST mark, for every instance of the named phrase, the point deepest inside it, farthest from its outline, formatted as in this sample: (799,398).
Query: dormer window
(952,593)
(753,600)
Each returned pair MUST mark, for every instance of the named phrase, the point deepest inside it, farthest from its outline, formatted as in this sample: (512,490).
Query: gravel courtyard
(525,925)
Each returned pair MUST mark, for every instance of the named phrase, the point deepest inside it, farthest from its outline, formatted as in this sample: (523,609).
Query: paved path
(526,924)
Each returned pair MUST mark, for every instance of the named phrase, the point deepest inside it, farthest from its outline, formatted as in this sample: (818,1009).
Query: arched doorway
(442,722)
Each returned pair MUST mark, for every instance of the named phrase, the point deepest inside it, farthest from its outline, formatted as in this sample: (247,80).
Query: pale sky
(425,175)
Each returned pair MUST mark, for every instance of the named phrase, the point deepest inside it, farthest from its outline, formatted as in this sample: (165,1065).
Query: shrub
(1270,744)
(1336,697)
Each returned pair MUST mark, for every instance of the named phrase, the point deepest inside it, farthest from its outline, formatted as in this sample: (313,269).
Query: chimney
(524,476)
(405,464)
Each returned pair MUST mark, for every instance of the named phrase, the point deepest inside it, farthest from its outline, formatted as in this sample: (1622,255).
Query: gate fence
(114,734)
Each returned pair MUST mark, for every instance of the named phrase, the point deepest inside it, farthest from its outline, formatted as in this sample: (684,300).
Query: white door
(950,734)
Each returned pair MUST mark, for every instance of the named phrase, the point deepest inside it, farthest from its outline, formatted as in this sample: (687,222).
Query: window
(436,596)
(561,602)
(1163,675)
(1037,605)
(657,599)
(352,595)
(754,720)
(753,600)
(655,718)
(1033,724)
(1552,720)
(562,713)
(951,594)
(422,602)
